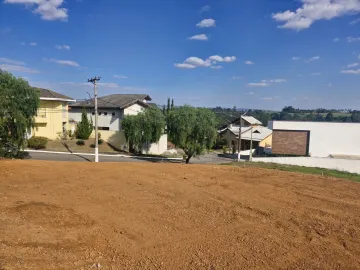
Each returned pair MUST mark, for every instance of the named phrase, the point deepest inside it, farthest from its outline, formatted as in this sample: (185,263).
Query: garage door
(291,142)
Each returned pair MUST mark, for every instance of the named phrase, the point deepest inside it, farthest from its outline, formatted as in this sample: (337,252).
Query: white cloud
(206,23)
(218,58)
(354,21)
(266,98)
(33,44)
(23,43)
(216,67)
(260,84)
(329,85)
(48,9)
(237,77)
(314,10)
(275,81)
(63,62)
(351,71)
(120,76)
(336,39)
(249,63)
(205,8)
(184,65)
(353,39)
(62,47)
(352,65)
(312,59)
(12,62)
(295,58)
(193,62)
(16,68)
(199,37)
(250,93)
(316,74)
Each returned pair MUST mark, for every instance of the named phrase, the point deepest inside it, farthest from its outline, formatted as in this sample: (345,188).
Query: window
(105,113)
(103,128)
(113,114)
(93,113)
(99,113)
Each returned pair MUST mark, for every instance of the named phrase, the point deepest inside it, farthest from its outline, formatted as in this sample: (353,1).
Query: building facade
(52,117)
(316,139)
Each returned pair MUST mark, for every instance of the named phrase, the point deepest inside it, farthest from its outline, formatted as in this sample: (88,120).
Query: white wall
(133,109)
(156,148)
(352,166)
(326,138)
(113,122)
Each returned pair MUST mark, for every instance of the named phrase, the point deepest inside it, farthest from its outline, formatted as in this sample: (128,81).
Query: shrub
(100,141)
(92,145)
(80,142)
(84,127)
(225,149)
(71,134)
(37,142)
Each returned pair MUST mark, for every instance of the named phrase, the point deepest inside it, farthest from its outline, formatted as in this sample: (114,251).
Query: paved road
(205,159)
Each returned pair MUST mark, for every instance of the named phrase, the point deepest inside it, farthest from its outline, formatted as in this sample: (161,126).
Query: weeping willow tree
(18,106)
(192,129)
(143,128)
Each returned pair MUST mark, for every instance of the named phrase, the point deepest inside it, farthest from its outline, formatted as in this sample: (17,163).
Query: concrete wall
(50,118)
(326,138)
(156,148)
(118,140)
(113,122)
(352,166)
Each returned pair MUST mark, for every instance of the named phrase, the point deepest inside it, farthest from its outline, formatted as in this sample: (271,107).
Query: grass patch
(300,169)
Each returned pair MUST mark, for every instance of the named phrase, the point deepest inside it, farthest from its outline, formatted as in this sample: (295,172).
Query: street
(209,158)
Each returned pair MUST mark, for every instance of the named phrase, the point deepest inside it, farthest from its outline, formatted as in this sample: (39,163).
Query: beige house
(52,116)
(251,129)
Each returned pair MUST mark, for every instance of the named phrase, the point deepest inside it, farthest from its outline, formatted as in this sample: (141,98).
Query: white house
(316,139)
(111,110)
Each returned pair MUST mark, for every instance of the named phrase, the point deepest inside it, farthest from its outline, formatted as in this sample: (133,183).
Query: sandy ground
(174,216)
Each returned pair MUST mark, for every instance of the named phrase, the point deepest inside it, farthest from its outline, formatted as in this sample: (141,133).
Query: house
(111,110)
(260,136)
(52,116)
(247,121)
(316,139)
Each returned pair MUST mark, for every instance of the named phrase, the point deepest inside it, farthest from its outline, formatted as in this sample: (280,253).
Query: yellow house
(52,118)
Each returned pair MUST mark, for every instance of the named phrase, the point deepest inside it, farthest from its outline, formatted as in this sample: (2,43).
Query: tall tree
(85,127)
(168,106)
(172,104)
(192,129)
(329,117)
(143,128)
(164,110)
(18,106)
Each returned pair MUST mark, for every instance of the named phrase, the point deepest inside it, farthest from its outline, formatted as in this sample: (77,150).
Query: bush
(71,134)
(100,141)
(80,142)
(92,145)
(226,149)
(37,143)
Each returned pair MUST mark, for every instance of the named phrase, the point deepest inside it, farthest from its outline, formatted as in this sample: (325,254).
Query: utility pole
(239,143)
(250,157)
(93,81)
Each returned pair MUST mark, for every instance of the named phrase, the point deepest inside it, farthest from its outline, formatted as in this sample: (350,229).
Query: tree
(85,127)
(329,117)
(355,117)
(18,106)
(192,129)
(143,128)
(172,104)
(168,106)
(164,110)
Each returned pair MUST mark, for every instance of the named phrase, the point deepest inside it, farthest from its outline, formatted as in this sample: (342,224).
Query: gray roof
(46,93)
(251,120)
(115,101)
(259,133)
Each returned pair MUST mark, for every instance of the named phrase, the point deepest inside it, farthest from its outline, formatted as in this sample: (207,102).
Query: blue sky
(253,54)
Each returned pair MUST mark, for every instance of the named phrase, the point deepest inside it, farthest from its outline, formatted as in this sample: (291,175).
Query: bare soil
(174,216)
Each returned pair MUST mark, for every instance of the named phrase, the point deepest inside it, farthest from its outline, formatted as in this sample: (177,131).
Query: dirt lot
(174,216)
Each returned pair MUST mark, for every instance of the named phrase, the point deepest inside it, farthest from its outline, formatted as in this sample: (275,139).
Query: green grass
(300,169)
